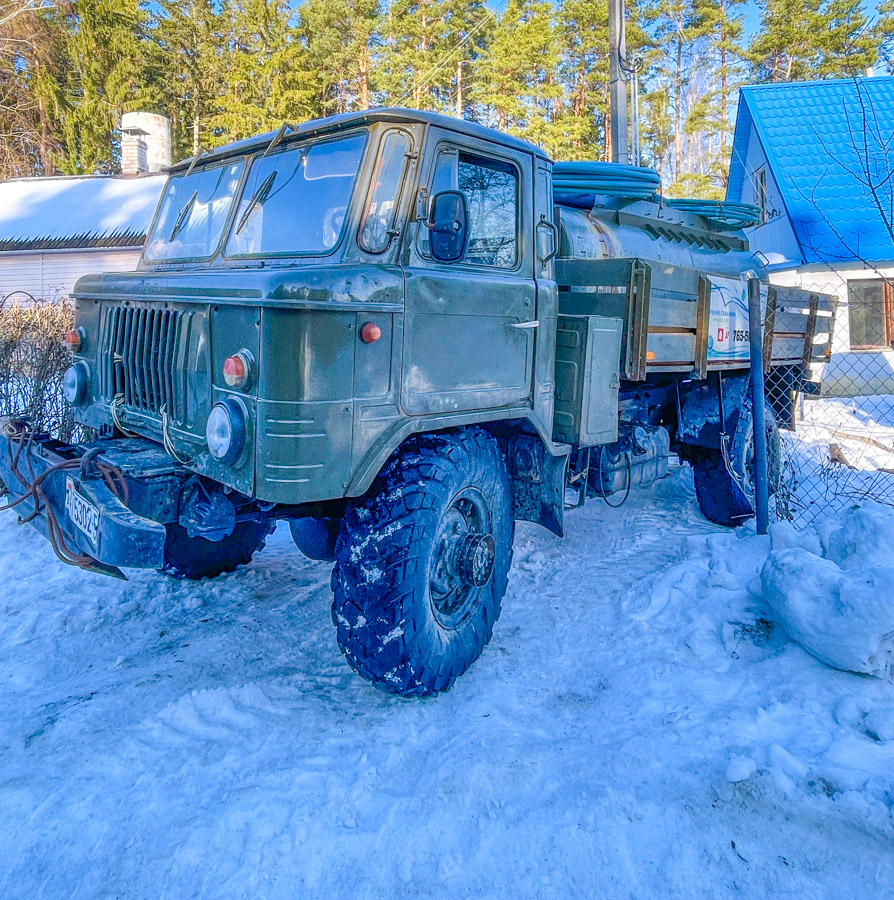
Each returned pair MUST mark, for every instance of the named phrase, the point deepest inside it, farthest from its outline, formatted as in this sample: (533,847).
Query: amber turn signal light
(237,370)
(72,340)
(370,333)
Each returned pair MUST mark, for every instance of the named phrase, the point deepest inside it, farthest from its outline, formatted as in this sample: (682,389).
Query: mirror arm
(422,206)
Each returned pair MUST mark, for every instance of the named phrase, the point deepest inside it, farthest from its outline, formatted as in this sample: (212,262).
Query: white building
(817,158)
(55,229)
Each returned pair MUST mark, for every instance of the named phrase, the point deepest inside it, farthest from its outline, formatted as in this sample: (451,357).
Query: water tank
(145,143)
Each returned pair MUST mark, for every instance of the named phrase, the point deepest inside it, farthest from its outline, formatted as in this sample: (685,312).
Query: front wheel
(197,557)
(422,564)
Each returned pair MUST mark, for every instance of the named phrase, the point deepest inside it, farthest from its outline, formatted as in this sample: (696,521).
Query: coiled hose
(722,214)
(576,180)
(580,183)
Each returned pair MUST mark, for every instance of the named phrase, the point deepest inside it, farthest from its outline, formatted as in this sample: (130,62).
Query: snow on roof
(830,147)
(71,212)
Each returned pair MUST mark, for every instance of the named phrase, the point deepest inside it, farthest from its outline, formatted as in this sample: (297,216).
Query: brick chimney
(145,143)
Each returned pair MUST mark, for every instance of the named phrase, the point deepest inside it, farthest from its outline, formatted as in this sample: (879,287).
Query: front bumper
(94,522)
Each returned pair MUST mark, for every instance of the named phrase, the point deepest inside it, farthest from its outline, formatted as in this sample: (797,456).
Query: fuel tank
(657,232)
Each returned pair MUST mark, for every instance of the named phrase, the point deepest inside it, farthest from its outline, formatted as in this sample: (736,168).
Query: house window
(760,192)
(870,318)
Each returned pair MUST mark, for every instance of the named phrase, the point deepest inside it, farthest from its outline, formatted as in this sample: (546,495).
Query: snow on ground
(862,431)
(640,725)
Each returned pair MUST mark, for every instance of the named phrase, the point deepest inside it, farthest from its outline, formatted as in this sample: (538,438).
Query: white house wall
(849,373)
(775,237)
(51,274)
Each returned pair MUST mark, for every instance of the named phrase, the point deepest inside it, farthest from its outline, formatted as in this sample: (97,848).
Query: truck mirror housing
(448,222)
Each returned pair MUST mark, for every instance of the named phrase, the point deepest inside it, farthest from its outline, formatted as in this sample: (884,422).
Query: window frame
(399,197)
(887,314)
(486,154)
(761,195)
(349,209)
(174,261)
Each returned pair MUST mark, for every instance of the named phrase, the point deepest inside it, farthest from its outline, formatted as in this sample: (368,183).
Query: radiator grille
(138,357)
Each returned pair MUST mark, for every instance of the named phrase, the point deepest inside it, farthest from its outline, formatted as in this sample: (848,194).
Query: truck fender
(536,464)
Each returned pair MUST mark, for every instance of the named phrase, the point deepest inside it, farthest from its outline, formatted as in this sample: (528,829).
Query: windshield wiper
(257,200)
(277,137)
(182,216)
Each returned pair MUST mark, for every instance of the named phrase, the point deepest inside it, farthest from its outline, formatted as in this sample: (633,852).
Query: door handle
(534,324)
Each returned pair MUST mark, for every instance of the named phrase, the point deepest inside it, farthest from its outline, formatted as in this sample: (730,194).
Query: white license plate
(81,511)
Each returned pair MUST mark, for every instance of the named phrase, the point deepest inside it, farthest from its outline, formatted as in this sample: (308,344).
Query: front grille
(138,358)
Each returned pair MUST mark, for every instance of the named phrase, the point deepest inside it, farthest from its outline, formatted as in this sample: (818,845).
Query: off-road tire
(727,498)
(196,557)
(385,610)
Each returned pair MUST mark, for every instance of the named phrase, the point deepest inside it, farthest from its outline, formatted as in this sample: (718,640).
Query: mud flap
(537,479)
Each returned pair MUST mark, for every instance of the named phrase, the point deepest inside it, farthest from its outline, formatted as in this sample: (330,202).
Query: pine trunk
(363,63)
(678,101)
(459,89)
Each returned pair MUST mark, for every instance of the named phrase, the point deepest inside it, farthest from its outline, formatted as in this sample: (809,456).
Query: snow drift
(832,588)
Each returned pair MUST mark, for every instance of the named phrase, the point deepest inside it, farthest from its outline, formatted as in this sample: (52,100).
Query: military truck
(392,331)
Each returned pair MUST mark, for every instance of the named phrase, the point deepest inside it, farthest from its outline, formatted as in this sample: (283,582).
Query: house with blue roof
(817,159)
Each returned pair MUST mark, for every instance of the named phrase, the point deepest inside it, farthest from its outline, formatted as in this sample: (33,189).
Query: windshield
(193,213)
(296,200)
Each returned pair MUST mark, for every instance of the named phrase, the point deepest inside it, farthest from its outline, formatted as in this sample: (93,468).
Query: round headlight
(225,431)
(74,383)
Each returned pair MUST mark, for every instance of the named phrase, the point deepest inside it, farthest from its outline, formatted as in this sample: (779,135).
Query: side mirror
(448,222)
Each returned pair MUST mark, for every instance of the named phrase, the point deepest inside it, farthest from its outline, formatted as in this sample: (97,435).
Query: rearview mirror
(448,222)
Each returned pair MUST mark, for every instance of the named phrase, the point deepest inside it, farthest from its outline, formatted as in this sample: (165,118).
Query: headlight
(225,431)
(74,383)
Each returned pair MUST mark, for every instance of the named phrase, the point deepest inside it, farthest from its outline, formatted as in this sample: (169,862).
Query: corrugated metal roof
(70,212)
(830,146)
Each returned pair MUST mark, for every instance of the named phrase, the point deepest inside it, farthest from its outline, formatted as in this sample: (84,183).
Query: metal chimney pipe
(617,47)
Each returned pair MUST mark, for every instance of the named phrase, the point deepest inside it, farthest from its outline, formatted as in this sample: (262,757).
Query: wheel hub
(474,559)
(463,559)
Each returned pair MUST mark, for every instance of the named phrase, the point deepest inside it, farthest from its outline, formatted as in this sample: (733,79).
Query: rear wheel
(422,564)
(724,479)
(197,557)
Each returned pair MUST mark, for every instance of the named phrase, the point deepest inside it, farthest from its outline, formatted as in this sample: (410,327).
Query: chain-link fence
(838,443)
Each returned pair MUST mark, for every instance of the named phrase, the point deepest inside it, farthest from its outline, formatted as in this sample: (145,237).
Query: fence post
(761,487)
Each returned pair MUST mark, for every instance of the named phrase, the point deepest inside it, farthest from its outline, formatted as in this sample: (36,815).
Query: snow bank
(832,588)
(639,726)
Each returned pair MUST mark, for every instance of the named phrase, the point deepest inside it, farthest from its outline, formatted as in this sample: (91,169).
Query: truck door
(470,326)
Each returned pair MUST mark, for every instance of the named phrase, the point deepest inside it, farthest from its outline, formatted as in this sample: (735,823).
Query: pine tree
(583,32)
(517,73)
(340,37)
(883,31)
(709,121)
(677,29)
(102,70)
(267,75)
(188,67)
(429,48)
(803,39)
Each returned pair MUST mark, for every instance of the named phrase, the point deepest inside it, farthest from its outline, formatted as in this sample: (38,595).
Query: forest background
(226,69)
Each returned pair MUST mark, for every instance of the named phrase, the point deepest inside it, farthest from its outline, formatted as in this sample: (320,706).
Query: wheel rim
(463,559)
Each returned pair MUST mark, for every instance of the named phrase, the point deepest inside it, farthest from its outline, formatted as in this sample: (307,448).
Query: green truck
(401,333)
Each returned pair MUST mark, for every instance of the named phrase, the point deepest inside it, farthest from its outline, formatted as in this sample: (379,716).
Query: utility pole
(617,48)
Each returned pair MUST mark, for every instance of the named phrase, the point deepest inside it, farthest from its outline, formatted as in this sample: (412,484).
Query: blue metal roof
(830,148)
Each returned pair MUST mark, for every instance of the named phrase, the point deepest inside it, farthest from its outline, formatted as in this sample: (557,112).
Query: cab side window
(491,190)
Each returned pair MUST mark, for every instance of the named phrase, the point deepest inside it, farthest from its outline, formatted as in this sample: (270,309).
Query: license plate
(81,511)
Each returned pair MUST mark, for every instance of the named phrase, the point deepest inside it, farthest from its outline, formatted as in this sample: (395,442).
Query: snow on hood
(77,211)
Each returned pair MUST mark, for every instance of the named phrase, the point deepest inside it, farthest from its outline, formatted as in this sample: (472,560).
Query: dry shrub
(32,360)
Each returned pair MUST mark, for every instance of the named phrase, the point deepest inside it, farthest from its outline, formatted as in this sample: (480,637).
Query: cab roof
(366,117)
